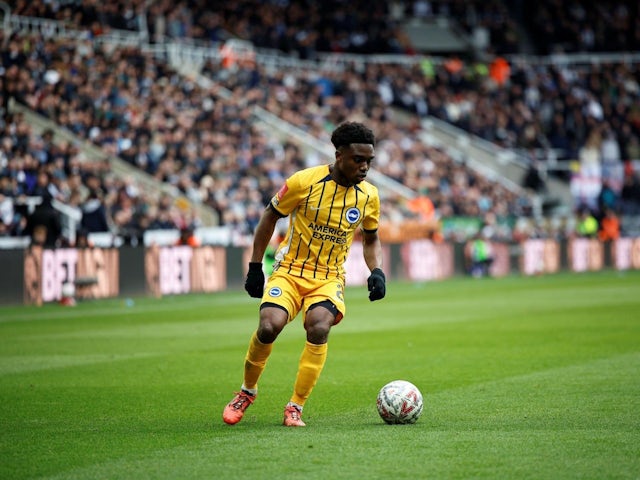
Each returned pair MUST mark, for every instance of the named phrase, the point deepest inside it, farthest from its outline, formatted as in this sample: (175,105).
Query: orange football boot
(292,417)
(234,411)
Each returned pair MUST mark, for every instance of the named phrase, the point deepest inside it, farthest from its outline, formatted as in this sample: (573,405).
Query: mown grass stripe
(524,378)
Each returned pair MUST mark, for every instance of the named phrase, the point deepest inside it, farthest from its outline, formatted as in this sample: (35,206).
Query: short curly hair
(352,132)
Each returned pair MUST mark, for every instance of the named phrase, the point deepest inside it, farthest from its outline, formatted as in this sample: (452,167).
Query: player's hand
(376,284)
(254,284)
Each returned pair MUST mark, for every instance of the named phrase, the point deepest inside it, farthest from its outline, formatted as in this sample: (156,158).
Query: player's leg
(273,319)
(325,310)
(318,322)
(279,305)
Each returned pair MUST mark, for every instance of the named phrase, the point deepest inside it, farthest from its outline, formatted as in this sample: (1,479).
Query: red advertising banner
(501,264)
(356,268)
(92,271)
(538,256)
(426,260)
(184,269)
(585,254)
(626,253)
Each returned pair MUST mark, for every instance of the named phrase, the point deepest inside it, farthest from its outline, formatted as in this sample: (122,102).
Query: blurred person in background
(94,213)
(478,255)
(586,225)
(82,239)
(44,225)
(609,229)
(630,194)
(188,237)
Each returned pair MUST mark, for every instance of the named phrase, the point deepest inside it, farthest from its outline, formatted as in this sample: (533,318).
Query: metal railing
(205,50)
(504,166)
(57,29)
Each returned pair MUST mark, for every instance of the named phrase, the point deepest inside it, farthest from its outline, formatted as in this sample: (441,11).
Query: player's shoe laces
(234,410)
(292,417)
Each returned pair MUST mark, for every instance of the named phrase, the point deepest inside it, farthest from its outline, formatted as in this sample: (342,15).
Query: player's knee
(272,321)
(318,332)
(266,335)
(268,330)
(319,321)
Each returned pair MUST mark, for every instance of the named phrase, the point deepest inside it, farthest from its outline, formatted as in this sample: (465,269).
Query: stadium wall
(34,276)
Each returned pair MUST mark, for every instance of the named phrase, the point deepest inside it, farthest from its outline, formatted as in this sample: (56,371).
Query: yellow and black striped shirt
(322,223)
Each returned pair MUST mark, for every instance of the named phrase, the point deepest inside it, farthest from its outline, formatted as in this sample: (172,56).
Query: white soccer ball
(399,402)
(68,290)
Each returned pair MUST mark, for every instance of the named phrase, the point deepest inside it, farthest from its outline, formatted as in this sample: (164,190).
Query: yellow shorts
(298,293)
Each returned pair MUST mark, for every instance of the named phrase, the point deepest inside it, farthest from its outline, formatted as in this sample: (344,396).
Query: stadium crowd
(557,26)
(37,172)
(205,144)
(298,27)
(304,27)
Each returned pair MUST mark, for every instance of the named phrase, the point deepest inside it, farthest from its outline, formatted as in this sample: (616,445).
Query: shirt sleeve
(372,213)
(288,197)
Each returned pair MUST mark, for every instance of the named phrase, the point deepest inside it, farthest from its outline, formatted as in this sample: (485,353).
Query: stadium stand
(570,27)
(206,143)
(244,166)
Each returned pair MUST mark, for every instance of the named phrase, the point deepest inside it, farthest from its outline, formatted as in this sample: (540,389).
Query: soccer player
(325,205)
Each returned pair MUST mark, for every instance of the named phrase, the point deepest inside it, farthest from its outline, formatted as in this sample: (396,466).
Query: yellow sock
(255,361)
(309,369)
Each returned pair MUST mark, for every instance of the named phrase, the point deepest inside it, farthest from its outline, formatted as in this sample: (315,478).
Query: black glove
(254,284)
(376,284)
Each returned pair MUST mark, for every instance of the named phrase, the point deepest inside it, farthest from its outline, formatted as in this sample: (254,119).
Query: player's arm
(264,231)
(372,250)
(254,283)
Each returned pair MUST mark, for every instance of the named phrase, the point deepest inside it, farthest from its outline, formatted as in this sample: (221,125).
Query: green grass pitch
(523,378)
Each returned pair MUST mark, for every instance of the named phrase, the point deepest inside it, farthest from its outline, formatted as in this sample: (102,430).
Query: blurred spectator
(188,237)
(500,71)
(44,225)
(533,177)
(609,226)
(610,153)
(82,239)
(586,224)
(94,215)
(607,198)
(587,181)
(478,254)
(7,216)
(630,195)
